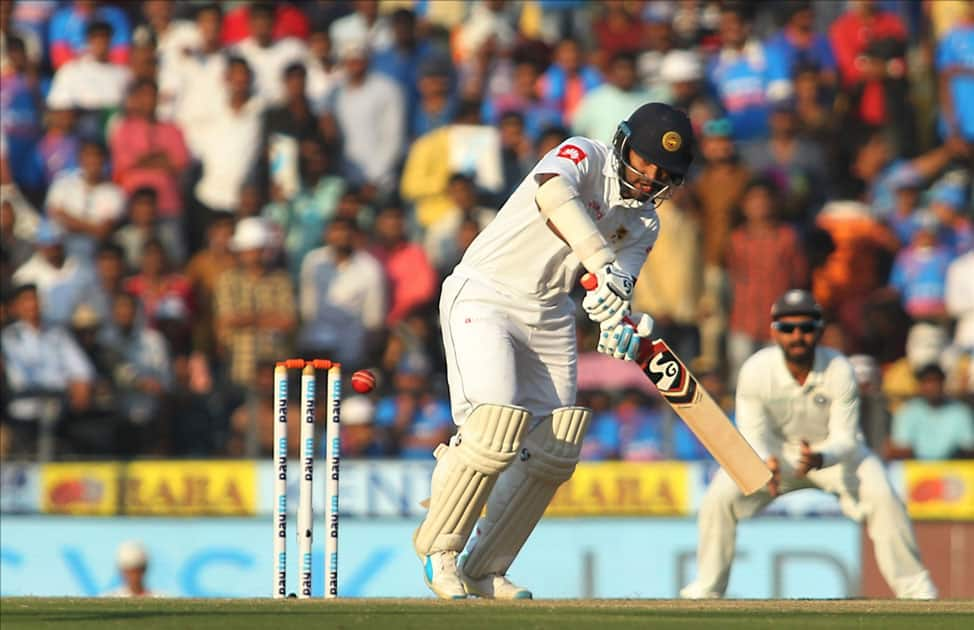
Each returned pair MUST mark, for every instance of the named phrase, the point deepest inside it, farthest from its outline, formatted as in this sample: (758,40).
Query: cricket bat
(698,410)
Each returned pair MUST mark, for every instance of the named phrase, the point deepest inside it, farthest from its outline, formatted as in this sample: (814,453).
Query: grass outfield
(77,613)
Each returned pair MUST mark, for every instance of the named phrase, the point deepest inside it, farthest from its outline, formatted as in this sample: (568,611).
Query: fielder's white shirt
(518,255)
(774,413)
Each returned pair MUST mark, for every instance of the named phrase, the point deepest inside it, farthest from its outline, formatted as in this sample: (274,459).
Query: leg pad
(465,474)
(546,460)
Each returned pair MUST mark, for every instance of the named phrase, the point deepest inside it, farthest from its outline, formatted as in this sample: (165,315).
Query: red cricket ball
(363,381)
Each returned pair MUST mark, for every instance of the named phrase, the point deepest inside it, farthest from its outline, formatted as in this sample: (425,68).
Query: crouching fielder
(509,333)
(798,406)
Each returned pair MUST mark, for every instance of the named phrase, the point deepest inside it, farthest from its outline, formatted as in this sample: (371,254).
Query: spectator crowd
(192,191)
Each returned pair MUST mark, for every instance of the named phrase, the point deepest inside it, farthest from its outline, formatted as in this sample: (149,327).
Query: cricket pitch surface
(83,613)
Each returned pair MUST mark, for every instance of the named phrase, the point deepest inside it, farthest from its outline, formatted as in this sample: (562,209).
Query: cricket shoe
(693,591)
(494,586)
(442,576)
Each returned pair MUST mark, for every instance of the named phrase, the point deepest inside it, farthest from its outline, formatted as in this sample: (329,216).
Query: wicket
(333,393)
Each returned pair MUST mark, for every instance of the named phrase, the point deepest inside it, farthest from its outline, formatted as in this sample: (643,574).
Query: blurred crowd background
(192,191)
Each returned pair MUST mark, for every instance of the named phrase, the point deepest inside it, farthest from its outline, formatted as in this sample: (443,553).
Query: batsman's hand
(622,341)
(774,485)
(807,460)
(609,301)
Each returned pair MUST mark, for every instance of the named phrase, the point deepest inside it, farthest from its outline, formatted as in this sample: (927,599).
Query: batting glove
(622,341)
(608,302)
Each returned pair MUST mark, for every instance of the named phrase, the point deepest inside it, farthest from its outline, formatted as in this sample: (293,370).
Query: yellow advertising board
(939,490)
(89,489)
(191,487)
(624,489)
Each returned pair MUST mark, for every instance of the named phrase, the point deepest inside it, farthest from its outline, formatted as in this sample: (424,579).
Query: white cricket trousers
(864,492)
(504,351)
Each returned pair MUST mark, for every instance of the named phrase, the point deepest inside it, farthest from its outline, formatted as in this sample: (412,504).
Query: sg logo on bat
(670,376)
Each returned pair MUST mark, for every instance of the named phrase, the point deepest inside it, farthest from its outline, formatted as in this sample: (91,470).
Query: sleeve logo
(572,152)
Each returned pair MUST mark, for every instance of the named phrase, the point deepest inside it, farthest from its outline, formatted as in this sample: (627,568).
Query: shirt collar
(815,375)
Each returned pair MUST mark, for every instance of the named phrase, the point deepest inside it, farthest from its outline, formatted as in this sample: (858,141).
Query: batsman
(508,327)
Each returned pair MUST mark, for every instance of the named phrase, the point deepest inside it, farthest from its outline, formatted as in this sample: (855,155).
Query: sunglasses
(790,327)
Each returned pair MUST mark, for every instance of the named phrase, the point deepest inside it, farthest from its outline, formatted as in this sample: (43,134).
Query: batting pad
(465,474)
(546,460)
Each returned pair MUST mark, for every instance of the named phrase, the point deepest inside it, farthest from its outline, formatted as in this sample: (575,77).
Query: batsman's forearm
(562,208)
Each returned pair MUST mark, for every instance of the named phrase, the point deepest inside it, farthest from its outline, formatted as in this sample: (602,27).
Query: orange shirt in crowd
(853,269)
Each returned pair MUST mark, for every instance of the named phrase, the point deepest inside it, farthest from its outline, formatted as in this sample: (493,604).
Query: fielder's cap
(48,233)
(250,233)
(357,411)
(680,66)
(131,555)
(662,135)
(796,302)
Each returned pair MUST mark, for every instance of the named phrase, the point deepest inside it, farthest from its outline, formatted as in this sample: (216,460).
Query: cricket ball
(363,381)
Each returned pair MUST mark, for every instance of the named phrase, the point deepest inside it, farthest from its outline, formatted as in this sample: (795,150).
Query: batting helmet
(661,135)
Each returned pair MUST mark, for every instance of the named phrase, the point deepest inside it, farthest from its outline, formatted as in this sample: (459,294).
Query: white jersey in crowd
(518,254)
(775,413)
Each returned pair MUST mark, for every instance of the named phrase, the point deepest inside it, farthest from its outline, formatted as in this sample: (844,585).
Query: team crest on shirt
(572,152)
(596,208)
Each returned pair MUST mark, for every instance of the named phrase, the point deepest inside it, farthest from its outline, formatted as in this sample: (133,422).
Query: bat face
(698,410)
(704,417)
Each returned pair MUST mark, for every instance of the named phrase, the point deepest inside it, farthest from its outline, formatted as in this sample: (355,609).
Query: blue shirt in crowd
(740,79)
(68,25)
(783,55)
(920,276)
(934,432)
(429,421)
(638,435)
(957,49)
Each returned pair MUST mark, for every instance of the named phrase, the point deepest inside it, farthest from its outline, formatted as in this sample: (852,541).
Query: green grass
(80,614)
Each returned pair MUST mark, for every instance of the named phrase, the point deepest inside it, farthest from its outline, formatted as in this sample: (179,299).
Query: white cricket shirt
(518,255)
(87,83)
(774,413)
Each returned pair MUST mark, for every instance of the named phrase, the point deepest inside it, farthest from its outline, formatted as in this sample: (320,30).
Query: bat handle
(589,282)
